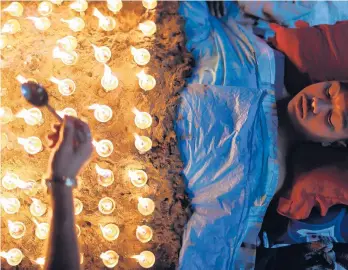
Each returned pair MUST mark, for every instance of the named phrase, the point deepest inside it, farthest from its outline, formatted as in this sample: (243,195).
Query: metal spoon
(37,95)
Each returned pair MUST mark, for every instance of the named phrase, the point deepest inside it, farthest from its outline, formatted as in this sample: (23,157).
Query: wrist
(61,182)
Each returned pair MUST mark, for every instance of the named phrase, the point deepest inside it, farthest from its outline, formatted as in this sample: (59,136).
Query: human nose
(319,105)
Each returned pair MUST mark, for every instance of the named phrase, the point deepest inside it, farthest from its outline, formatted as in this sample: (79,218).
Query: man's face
(320,111)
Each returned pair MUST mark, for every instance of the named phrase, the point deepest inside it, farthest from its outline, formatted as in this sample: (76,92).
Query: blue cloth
(227,133)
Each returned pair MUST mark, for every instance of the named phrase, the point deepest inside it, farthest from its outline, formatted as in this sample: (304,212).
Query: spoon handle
(52,110)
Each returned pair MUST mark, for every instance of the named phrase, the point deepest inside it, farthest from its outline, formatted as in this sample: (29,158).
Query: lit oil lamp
(13,257)
(32,116)
(11,27)
(41,23)
(37,208)
(40,261)
(106,205)
(102,113)
(4,140)
(15,9)
(6,115)
(3,41)
(16,229)
(32,145)
(141,56)
(146,259)
(9,181)
(66,87)
(110,258)
(76,24)
(102,54)
(148,28)
(144,233)
(110,231)
(10,205)
(142,143)
(114,5)
(146,206)
(78,230)
(42,230)
(79,5)
(150,4)
(45,8)
(138,178)
(109,81)
(104,148)
(68,58)
(146,82)
(30,188)
(78,206)
(57,2)
(105,176)
(143,120)
(106,23)
(68,43)
(67,111)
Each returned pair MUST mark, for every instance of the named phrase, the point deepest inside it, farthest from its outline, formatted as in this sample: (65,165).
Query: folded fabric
(319,52)
(323,187)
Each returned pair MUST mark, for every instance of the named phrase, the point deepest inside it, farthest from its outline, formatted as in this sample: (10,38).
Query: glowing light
(9,181)
(10,205)
(22,79)
(13,257)
(57,2)
(114,5)
(148,28)
(41,230)
(31,116)
(66,86)
(79,5)
(40,261)
(78,206)
(138,177)
(6,115)
(110,231)
(76,24)
(11,27)
(106,23)
(110,258)
(81,258)
(45,8)
(68,43)
(144,233)
(105,176)
(37,208)
(102,113)
(30,187)
(32,145)
(3,41)
(16,229)
(143,120)
(146,82)
(104,148)
(78,230)
(142,143)
(109,81)
(106,205)
(15,9)
(41,23)
(146,259)
(67,111)
(141,56)
(102,54)
(146,206)
(4,140)
(150,4)
(68,58)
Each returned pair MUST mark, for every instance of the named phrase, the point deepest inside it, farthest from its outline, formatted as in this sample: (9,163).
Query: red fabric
(319,51)
(322,187)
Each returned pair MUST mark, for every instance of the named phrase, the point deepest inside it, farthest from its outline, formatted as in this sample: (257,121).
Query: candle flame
(141,75)
(105,256)
(34,19)
(23,113)
(136,111)
(134,50)
(98,14)
(101,171)
(132,174)
(4,254)
(22,141)
(79,5)
(21,79)
(94,106)
(36,201)
(107,71)
(138,140)
(35,221)
(141,230)
(40,261)
(95,143)
(138,257)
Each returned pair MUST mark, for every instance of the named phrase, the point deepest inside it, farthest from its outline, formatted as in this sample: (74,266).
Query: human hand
(217,8)
(72,147)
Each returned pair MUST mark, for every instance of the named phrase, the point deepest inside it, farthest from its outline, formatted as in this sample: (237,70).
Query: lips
(303,106)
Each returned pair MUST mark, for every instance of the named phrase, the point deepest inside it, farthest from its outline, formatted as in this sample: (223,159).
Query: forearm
(63,251)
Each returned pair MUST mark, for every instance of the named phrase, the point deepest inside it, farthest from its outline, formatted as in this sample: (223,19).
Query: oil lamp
(66,86)
(78,206)
(30,187)
(13,257)
(138,177)
(32,145)
(76,24)
(106,23)
(141,56)
(143,120)
(79,5)
(110,231)
(45,8)
(146,82)
(37,208)
(3,41)
(109,81)
(16,229)
(106,205)
(146,206)
(146,259)
(102,54)
(9,181)
(102,113)
(150,4)
(142,143)
(41,23)
(10,205)
(105,176)
(42,230)
(32,116)
(11,27)
(114,5)
(57,2)
(6,115)
(104,148)
(68,43)
(110,258)
(67,111)
(15,9)
(148,28)
(144,233)
(68,58)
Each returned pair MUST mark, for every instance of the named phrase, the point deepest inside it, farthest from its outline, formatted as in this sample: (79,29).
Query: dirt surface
(30,54)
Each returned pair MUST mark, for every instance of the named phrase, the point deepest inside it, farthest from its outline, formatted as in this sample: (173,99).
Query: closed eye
(327,91)
(329,120)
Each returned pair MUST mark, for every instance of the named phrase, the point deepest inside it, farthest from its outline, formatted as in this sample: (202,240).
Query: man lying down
(233,139)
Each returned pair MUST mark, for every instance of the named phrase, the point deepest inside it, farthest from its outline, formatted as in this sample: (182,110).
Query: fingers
(53,138)
(67,133)
(85,138)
